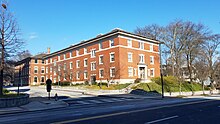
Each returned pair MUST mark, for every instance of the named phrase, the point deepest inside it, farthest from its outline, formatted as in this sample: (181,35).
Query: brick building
(117,57)
(30,71)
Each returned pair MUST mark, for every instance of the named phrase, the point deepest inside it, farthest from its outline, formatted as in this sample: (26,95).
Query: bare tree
(22,55)
(10,39)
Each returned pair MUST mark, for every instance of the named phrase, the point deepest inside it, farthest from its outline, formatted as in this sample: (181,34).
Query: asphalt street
(124,112)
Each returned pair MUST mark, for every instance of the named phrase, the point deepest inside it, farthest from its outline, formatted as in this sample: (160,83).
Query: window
(101,73)
(151,59)
(101,59)
(141,58)
(35,61)
(77,52)
(42,61)
(71,65)
(85,62)
(71,76)
(71,55)
(151,47)
(64,56)
(93,66)
(100,46)
(50,69)
(111,43)
(141,45)
(64,78)
(130,57)
(93,53)
(55,63)
(77,63)
(51,60)
(35,69)
(112,57)
(54,72)
(85,74)
(46,69)
(42,79)
(77,75)
(59,67)
(85,50)
(129,43)
(58,77)
(42,70)
(112,72)
(35,79)
(58,58)
(135,71)
(64,66)
(130,72)
(46,61)
(152,72)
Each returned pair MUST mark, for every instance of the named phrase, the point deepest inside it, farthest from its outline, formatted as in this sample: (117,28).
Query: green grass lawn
(104,87)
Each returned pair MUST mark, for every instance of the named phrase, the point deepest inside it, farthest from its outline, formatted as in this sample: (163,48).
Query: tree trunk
(203,88)
(1,82)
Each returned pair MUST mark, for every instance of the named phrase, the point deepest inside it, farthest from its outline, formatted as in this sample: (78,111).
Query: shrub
(62,83)
(138,80)
(86,82)
(5,91)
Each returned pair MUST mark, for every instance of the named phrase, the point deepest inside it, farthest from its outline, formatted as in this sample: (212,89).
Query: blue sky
(59,23)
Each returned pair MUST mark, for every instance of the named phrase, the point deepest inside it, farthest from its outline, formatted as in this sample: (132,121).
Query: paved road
(139,111)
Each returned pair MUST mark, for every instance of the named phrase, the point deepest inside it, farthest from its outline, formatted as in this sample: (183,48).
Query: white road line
(163,119)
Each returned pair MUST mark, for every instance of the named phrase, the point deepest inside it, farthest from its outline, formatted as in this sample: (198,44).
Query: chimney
(48,50)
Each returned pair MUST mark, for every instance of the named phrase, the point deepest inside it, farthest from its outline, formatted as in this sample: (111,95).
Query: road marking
(129,112)
(163,119)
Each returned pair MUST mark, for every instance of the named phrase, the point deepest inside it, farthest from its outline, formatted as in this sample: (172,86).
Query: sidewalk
(35,104)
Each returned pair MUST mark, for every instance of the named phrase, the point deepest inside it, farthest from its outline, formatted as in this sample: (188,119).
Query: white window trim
(84,62)
(36,69)
(100,73)
(84,75)
(85,50)
(130,53)
(77,75)
(100,59)
(110,43)
(42,68)
(110,56)
(41,78)
(91,63)
(77,52)
(110,71)
(46,70)
(135,71)
(132,73)
(71,65)
(129,40)
(140,46)
(100,44)
(71,54)
(34,79)
(64,56)
(93,55)
(59,58)
(152,57)
(143,58)
(77,65)
(153,72)
(151,47)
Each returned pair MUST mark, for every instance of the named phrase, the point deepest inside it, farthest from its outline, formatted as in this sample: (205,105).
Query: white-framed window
(42,61)
(130,71)
(93,66)
(77,52)
(55,63)
(71,76)
(152,72)
(85,50)
(100,46)
(71,54)
(141,58)
(77,63)
(129,43)
(42,79)
(46,61)
(111,43)
(59,67)
(71,65)
(64,56)
(35,61)
(51,60)
(59,58)
(85,62)
(112,72)
(35,79)
(58,77)
(50,69)
(64,77)
(151,59)
(54,72)
(130,57)
(101,73)
(77,75)
(64,66)
(42,70)
(46,69)
(85,75)
(151,47)
(135,71)
(100,59)
(35,69)
(141,45)
(92,53)
(112,57)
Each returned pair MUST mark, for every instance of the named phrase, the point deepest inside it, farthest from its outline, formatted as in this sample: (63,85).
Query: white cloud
(32,36)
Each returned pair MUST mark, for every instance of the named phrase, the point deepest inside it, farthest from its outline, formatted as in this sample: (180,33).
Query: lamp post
(161,70)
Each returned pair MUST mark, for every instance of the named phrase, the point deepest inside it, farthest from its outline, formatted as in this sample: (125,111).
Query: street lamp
(161,70)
